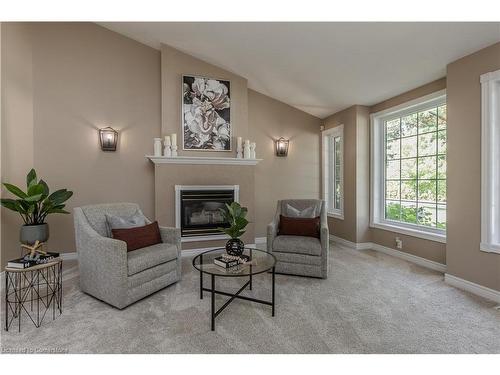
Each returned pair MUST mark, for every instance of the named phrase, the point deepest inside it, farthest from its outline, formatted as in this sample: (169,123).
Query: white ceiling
(322,68)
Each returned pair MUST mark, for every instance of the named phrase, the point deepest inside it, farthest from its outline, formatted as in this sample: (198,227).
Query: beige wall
(464,259)
(355,226)
(418,92)
(356,121)
(174,64)
(427,249)
(294,176)
(17,122)
(61,82)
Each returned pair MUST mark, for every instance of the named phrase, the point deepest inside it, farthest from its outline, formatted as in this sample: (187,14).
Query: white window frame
(490,162)
(329,171)
(377,168)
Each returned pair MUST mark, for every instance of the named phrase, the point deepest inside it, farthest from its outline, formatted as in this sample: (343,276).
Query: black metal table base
(33,293)
(213,292)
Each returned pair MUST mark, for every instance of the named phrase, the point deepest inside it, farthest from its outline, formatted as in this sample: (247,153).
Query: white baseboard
(194,252)
(352,245)
(213,237)
(393,252)
(69,256)
(260,240)
(469,286)
(410,258)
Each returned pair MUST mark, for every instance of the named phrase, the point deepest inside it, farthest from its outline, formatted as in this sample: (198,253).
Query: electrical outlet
(399,243)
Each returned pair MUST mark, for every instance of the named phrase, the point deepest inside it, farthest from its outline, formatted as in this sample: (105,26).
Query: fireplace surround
(197,211)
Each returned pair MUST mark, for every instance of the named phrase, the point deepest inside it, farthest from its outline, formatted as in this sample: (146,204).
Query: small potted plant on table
(34,205)
(234,214)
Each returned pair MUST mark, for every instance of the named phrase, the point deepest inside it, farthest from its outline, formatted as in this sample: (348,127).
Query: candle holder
(239,152)
(174,150)
(253,145)
(246,150)
(157,146)
(167,151)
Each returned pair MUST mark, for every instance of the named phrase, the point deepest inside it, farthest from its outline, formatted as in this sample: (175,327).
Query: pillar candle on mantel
(167,140)
(239,142)
(246,149)
(174,139)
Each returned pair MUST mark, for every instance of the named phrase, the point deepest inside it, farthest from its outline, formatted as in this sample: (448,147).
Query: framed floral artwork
(206,114)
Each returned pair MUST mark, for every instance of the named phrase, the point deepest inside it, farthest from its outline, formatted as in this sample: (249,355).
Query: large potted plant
(34,206)
(234,214)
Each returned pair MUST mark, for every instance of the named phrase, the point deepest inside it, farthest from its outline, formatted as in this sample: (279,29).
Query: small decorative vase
(167,151)
(252,150)
(174,150)
(235,247)
(29,234)
(157,147)
(246,150)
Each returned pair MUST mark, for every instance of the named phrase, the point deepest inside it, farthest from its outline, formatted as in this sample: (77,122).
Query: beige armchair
(110,273)
(298,255)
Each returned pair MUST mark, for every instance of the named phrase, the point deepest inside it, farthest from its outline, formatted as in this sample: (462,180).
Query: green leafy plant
(36,203)
(234,214)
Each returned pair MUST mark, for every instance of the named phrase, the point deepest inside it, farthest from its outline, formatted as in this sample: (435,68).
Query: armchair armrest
(88,240)
(172,236)
(102,261)
(272,232)
(324,231)
(92,245)
(325,236)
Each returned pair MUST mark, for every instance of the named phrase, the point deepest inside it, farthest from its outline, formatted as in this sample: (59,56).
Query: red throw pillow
(294,226)
(139,237)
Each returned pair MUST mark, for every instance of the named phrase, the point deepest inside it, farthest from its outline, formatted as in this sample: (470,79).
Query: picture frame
(206,114)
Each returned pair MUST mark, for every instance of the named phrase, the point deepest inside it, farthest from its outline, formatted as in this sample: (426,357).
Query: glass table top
(260,261)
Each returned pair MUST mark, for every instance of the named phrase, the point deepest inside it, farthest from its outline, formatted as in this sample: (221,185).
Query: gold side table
(32,292)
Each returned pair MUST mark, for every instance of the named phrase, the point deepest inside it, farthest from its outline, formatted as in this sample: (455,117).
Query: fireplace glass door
(201,211)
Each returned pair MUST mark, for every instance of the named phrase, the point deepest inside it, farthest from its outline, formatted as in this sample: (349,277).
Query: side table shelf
(32,292)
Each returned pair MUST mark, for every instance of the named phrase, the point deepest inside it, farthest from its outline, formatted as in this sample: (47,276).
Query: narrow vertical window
(333,169)
(490,162)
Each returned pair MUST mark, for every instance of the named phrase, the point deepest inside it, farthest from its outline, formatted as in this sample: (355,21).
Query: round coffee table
(260,262)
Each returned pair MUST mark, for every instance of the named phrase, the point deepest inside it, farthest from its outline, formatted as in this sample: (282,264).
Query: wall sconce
(282,147)
(108,138)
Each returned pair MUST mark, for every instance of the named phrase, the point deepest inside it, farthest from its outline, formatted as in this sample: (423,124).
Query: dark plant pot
(30,233)
(235,247)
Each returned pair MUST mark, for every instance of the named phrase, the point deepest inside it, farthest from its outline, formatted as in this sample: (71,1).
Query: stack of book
(27,262)
(227,261)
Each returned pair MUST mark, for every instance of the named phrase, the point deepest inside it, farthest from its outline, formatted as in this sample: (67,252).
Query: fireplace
(198,210)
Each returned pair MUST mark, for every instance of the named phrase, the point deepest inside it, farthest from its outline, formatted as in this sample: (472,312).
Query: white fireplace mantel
(201,160)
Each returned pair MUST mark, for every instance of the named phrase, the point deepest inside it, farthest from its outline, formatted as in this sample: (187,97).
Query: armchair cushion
(95,214)
(147,257)
(307,212)
(120,222)
(297,245)
(139,237)
(301,207)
